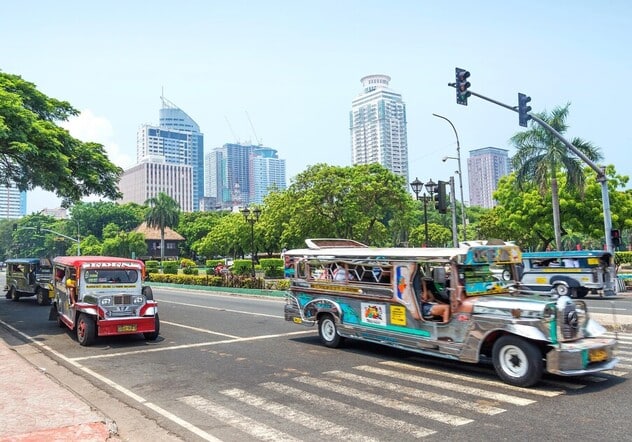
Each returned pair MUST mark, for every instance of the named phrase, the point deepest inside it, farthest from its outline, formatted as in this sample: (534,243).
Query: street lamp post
(417,187)
(458,158)
(252,216)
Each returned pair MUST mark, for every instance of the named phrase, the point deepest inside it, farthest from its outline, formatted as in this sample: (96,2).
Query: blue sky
(294,67)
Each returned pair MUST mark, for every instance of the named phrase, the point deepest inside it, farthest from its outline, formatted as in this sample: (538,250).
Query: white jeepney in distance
(380,295)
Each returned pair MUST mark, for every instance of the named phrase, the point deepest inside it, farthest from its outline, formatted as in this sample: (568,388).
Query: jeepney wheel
(582,292)
(42,297)
(562,290)
(517,361)
(152,336)
(328,331)
(13,293)
(86,330)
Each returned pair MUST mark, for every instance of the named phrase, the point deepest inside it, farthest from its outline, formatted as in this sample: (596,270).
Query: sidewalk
(35,408)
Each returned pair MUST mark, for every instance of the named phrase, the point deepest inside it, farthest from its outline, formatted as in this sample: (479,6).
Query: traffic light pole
(601,173)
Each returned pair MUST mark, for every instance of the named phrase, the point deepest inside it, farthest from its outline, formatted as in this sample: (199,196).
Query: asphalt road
(230,368)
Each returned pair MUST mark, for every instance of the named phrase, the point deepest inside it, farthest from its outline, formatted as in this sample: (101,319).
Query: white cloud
(86,127)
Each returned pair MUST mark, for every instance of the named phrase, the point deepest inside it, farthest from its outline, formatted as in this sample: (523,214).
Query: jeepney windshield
(111,276)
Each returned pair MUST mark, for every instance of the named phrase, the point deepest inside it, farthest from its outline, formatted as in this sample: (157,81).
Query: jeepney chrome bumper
(580,357)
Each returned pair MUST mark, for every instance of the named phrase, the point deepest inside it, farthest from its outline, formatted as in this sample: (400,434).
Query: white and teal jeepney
(378,295)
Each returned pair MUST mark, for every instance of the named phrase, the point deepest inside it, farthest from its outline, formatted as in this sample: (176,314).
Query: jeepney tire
(14,294)
(582,292)
(148,293)
(328,332)
(152,336)
(517,361)
(86,330)
(562,290)
(42,297)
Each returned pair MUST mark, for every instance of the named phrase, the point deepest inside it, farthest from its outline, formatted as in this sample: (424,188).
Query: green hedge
(234,281)
(212,263)
(241,267)
(170,267)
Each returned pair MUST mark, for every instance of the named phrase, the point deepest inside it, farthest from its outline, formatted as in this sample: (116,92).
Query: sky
(284,73)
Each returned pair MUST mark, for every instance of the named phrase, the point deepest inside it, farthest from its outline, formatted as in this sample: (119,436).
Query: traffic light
(523,109)
(441,197)
(462,85)
(615,236)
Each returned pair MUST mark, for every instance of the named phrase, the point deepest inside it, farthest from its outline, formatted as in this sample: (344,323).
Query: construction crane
(259,143)
(232,131)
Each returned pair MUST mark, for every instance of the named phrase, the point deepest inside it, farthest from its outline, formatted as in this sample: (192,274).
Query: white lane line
(383,401)
(186,346)
(414,392)
(221,309)
(444,374)
(130,394)
(322,426)
(197,329)
(243,423)
(353,413)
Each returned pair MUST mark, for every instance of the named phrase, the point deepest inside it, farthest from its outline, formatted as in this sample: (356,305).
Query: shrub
(242,267)
(185,262)
(272,267)
(170,267)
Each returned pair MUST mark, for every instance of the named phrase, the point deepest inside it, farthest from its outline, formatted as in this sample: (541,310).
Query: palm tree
(163,212)
(540,156)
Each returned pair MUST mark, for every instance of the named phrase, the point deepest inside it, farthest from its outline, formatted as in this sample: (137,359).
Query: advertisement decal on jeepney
(373,313)
(404,290)
(398,315)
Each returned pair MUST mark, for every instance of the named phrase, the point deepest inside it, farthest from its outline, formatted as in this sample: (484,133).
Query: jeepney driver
(429,306)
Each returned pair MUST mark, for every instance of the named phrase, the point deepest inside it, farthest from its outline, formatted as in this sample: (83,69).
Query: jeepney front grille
(122,299)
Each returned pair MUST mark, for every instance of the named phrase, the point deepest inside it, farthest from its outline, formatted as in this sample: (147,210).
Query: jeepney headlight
(138,300)
(549,313)
(106,302)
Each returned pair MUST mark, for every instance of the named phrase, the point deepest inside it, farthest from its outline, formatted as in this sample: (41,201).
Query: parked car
(575,273)
(29,277)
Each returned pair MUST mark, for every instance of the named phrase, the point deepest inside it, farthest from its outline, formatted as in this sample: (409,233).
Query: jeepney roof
(80,260)
(471,255)
(26,260)
(565,254)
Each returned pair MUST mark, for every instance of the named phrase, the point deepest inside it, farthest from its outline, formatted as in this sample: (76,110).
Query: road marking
(220,309)
(354,413)
(444,374)
(186,346)
(201,330)
(236,420)
(385,402)
(322,426)
(414,392)
(130,394)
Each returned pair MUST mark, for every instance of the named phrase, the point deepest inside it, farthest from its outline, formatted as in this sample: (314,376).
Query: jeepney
(574,273)
(381,300)
(103,296)
(29,277)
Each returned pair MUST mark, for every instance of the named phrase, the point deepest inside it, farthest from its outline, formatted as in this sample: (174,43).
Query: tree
(163,212)
(540,155)
(36,152)
(93,217)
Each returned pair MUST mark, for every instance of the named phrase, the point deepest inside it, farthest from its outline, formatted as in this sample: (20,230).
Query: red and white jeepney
(103,296)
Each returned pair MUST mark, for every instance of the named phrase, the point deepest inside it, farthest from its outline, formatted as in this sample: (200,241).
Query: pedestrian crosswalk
(402,399)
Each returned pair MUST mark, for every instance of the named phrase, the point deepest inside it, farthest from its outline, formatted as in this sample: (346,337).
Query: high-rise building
(267,172)
(154,175)
(239,174)
(485,167)
(178,140)
(12,202)
(378,126)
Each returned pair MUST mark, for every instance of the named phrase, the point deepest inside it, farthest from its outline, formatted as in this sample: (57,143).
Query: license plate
(126,328)
(298,320)
(597,355)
